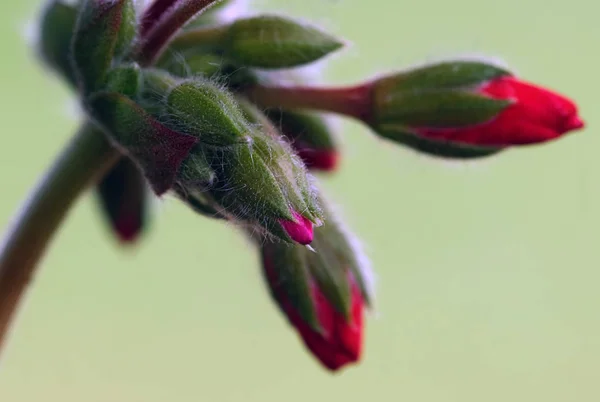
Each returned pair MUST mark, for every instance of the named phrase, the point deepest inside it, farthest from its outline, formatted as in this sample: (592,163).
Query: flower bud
(467,109)
(322,292)
(248,174)
(104,31)
(310,137)
(124,198)
(268,41)
(56,33)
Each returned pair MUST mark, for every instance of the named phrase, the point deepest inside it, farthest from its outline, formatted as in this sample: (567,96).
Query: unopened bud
(104,31)
(467,109)
(268,41)
(250,175)
(56,34)
(124,199)
(322,292)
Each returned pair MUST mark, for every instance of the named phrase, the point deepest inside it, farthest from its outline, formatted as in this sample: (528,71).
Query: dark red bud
(300,230)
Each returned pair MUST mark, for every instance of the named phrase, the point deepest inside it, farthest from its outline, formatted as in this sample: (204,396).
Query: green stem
(87,158)
(349,101)
(205,38)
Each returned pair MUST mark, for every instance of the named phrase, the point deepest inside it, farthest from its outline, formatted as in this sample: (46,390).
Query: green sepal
(201,108)
(445,75)
(440,149)
(436,109)
(104,31)
(330,275)
(332,239)
(289,280)
(199,201)
(157,149)
(285,164)
(56,34)
(124,79)
(247,188)
(273,42)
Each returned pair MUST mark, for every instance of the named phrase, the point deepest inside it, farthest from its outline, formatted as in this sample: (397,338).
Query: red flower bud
(300,230)
(536,115)
(318,159)
(339,341)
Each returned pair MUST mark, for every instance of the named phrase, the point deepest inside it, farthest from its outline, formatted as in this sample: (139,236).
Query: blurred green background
(487,272)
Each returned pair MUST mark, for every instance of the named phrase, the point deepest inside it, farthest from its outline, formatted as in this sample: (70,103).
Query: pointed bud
(104,31)
(310,136)
(467,109)
(158,150)
(56,33)
(322,292)
(268,41)
(248,174)
(124,198)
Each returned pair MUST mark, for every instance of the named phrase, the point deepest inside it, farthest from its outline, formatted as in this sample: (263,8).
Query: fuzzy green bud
(268,42)
(104,31)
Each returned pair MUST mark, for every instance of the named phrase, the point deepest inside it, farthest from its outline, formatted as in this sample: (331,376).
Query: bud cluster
(198,107)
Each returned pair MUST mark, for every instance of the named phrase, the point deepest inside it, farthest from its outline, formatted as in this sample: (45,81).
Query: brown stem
(83,162)
(349,101)
(153,13)
(152,44)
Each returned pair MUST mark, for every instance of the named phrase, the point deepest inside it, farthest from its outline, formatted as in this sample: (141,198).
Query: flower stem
(87,158)
(153,13)
(157,38)
(349,101)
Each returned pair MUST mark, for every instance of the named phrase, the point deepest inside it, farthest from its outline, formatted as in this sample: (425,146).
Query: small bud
(310,136)
(300,229)
(322,292)
(158,150)
(249,175)
(56,34)
(467,109)
(124,198)
(269,42)
(104,31)
(277,42)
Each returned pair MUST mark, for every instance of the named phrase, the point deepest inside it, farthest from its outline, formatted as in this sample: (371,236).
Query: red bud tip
(536,115)
(340,341)
(300,230)
(317,159)
(127,228)
(573,123)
